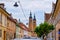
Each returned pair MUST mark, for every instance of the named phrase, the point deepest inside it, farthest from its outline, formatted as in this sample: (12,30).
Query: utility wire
(22,10)
(20,6)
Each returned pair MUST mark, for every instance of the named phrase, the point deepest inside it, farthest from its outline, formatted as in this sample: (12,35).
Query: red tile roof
(47,16)
(23,26)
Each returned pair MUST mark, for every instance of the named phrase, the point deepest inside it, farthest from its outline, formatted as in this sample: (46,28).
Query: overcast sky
(37,7)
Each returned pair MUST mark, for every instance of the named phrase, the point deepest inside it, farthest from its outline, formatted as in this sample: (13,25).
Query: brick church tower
(32,24)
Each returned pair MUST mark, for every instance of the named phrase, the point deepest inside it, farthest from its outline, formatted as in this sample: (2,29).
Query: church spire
(19,21)
(30,15)
(34,17)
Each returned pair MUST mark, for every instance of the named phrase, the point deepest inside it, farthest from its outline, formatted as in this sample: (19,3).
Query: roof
(47,16)
(13,20)
(23,26)
(4,10)
(55,8)
(2,4)
(8,15)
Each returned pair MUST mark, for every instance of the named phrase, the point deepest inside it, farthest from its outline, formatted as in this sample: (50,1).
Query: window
(7,24)
(4,20)
(0,18)
(0,33)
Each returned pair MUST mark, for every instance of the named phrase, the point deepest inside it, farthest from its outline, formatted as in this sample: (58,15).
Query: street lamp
(16,5)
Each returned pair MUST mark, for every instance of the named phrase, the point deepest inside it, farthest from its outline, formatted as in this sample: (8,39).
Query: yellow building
(56,17)
(19,30)
(7,25)
(21,33)
(55,20)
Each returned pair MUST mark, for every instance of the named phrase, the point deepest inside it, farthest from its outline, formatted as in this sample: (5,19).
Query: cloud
(36,6)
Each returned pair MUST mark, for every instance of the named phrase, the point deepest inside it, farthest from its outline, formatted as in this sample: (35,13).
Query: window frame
(0,33)
(0,17)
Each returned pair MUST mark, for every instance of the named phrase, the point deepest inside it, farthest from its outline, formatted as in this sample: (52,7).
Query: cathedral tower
(30,24)
(34,22)
(34,26)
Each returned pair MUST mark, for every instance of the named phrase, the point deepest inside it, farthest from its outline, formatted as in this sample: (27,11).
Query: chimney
(2,5)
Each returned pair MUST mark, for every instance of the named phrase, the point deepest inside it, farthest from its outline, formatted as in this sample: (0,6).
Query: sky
(37,7)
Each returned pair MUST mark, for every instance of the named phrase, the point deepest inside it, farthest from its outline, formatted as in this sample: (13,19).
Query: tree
(43,29)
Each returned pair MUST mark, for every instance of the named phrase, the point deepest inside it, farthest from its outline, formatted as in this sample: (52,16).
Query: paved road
(27,39)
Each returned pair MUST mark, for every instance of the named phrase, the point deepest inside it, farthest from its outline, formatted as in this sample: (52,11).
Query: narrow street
(27,39)
(29,19)
(30,38)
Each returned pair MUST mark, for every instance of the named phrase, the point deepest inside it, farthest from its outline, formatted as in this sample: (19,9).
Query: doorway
(4,35)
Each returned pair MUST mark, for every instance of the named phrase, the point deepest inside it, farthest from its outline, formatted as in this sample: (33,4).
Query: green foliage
(44,29)
(38,31)
(17,25)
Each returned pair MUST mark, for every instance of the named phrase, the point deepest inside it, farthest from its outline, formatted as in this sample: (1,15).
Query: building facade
(56,16)
(7,25)
(19,32)
(55,20)
(47,16)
